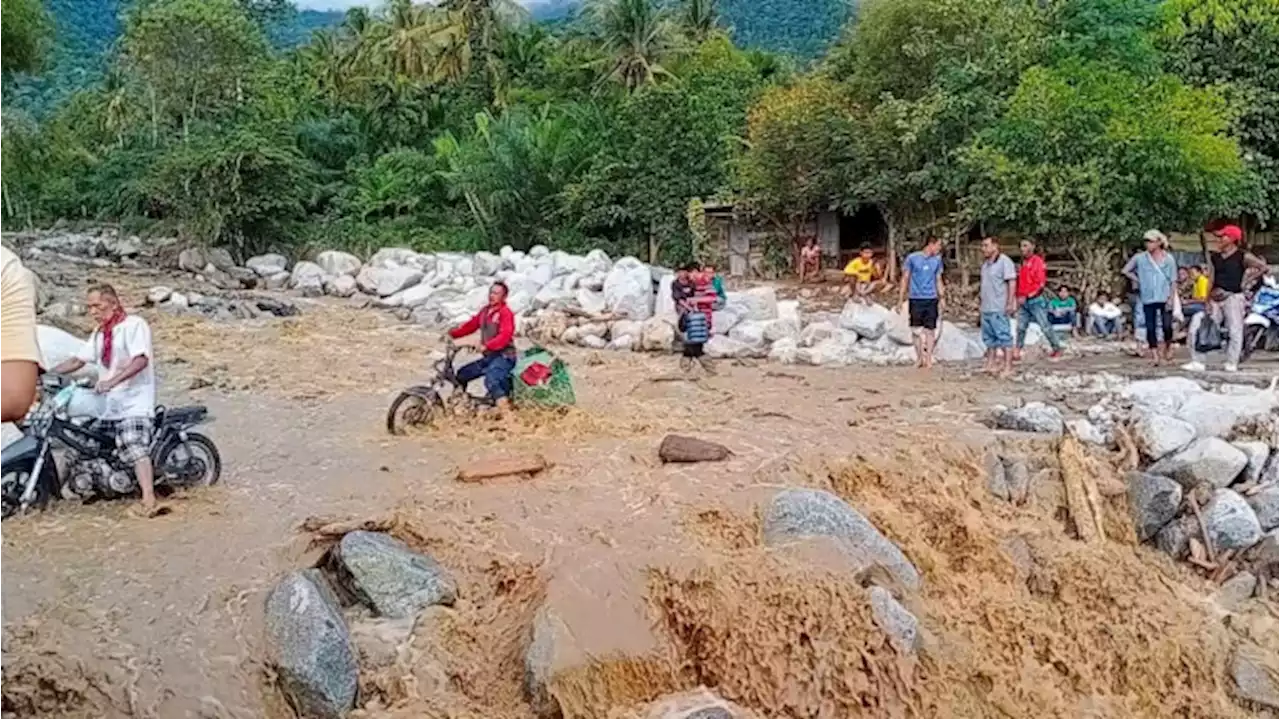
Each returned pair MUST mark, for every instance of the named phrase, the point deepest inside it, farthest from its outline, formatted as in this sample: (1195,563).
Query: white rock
(1163,396)
(597,261)
(815,332)
(593,329)
(750,333)
(789,310)
(593,282)
(340,286)
(158,294)
(57,346)
(542,273)
(868,321)
(1230,521)
(506,252)
(519,283)
(391,257)
(566,263)
(1158,435)
(475,299)
(1208,460)
(785,350)
(623,343)
(268,264)
(387,281)
(590,302)
(1215,415)
(520,302)
(336,263)
(757,303)
(552,297)
(1085,431)
(726,319)
(656,335)
(626,328)
(539,251)
(278,281)
(782,328)
(628,289)
(419,295)
(1032,417)
(663,305)
(593,342)
(487,264)
(1257,452)
(307,278)
(721,347)
(956,345)
(841,348)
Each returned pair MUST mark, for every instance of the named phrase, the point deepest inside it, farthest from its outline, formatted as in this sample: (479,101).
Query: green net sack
(557,391)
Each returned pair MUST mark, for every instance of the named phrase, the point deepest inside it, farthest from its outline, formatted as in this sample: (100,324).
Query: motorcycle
(29,472)
(1262,323)
(420,404)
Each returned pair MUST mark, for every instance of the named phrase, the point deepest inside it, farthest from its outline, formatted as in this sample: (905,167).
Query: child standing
(694,296)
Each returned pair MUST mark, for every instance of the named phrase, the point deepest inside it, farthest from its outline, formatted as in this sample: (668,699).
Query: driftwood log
(1083,499)
(501,467)
(677,448)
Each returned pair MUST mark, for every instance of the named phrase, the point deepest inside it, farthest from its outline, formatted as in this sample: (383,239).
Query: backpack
(1209,337)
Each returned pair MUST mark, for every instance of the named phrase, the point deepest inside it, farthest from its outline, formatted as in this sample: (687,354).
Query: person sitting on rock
(497,327)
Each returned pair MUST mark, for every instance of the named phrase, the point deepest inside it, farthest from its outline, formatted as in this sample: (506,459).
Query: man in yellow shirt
(19,353)
(863,273)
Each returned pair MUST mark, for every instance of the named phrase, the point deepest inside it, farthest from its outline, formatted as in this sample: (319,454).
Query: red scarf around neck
(108,334)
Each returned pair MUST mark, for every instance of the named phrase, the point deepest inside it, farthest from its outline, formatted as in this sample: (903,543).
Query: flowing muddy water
(109,615)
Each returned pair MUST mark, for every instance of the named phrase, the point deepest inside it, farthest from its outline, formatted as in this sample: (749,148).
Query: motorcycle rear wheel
(412,409)
(176,461)
(14,479)
(1255,336)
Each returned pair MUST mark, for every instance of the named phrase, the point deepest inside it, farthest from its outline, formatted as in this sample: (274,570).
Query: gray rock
(220,258)
(1215,415)
(956,345)
(1264,556)
(1209,461)
(868,320)
(784,350)
(750,333)
(893,619)
(1086,431)
(193,259)
(1162,396)
(307,278)
(310,649)
(757,303)
(816,332)
(340,286)
(1174,538)
(1019,478)
(1257,453)
(997,481)
(1230,521)
(158,294)
(798,513)
(394,580)
(628,290)
(1153,502)
(538,660)
(278,281)
(1266,505)
(656,335)
(1158,435)
(268,264)
(387,281)
(337,263)
(1255,681)
(220,278)
(1032,417)
(1236,591)
(1271,472)
(245,276)
(721,347)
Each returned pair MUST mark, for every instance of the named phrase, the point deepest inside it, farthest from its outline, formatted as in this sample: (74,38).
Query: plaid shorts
(133,438)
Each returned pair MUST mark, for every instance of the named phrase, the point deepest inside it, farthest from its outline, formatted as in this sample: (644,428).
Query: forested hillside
(465,126)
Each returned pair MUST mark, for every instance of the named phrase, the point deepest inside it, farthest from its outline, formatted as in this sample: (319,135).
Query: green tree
(637,37)
(24,32)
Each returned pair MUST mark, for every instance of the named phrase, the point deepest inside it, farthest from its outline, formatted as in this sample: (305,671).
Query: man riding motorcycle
(497,327)
(121,347)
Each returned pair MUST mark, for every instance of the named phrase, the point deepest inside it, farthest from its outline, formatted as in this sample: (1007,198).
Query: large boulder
(757,303)
(1153,502)
(868,320)
(340,285)
(1258,454)
(268,264)
(486,264)
(663,305)
(1158,435)
(386,281)
(1230,521)
(549,296)
(657,335)
(591,302)
(1174,538)
(750,333)
(1032,417)
(628,290)
(278,281)
(391,257)
(307,278)
(193,259)
(1253,671)
(309,647)
(803,513)
(596,261)
(895,620)
(815,332)
(726,319)
(220,258)
(721,347)
(392,579)
(840,348)
(338,263)
(1266,505)
(627,328)
(1209,461)
(955,345)
(1215,415)
(1162,396)
(784,350)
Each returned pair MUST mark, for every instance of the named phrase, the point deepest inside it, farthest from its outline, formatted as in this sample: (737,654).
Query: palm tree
(699,19)
(636,35)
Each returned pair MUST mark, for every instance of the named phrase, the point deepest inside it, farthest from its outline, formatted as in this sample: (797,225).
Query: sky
(330,4)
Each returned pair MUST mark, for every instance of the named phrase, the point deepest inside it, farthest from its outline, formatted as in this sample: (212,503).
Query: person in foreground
(1104,317)
(996,304)
(1231,270)
(922,291)
(19,352)
(497,327)
(120,347)
(1154,272)
(1032,305)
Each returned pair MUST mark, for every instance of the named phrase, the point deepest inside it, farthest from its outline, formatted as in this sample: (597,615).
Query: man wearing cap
(1231,269)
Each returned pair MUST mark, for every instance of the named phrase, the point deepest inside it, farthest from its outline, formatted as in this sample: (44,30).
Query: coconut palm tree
(699,18)
(636,36)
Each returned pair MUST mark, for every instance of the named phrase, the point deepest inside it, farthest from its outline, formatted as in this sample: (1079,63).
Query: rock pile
(219,308)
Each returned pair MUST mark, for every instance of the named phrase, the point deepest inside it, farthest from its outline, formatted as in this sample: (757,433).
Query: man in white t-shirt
(121,349)
(1104,317)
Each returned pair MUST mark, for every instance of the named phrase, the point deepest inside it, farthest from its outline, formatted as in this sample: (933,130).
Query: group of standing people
(1007,291)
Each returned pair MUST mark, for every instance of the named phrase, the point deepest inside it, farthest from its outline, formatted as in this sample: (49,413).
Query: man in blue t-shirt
(922,292)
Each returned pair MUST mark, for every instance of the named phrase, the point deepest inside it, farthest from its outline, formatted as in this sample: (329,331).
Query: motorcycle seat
(181,415)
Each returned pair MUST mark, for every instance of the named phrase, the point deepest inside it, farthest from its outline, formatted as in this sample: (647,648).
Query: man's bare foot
(147,510)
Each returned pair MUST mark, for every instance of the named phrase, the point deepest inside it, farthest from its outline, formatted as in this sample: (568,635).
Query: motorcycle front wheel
(194,462)
(413,409)
(14,479)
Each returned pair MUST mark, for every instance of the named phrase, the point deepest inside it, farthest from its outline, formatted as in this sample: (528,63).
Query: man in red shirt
(497,327)
(1032,305)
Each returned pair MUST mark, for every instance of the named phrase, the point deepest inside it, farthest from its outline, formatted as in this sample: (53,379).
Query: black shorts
(923,313)
(693,350)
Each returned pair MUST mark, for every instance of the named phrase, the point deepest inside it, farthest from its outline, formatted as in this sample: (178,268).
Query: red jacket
(1031,277)
(500,316)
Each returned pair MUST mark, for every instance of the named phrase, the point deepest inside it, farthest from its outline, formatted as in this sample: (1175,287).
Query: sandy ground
(161,618)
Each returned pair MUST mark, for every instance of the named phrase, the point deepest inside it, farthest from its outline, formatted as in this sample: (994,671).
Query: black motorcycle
(29,474)
(419,405)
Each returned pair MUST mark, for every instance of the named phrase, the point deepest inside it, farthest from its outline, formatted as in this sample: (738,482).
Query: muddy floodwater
(108,615)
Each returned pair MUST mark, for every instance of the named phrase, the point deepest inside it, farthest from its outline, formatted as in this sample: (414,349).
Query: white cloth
(135,397)
(1107,311)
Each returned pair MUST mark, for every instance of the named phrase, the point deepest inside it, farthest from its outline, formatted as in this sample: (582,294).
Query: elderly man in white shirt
(121,348)
(1104,316)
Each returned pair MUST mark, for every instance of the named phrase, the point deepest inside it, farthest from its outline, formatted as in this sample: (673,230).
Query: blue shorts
(995,331)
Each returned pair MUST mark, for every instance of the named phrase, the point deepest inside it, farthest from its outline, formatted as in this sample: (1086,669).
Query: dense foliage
(467,125)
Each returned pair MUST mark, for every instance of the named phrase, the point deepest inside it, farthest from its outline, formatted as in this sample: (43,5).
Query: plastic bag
(1209,336)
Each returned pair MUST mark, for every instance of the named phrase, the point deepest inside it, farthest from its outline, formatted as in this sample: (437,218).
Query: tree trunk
(891,245)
